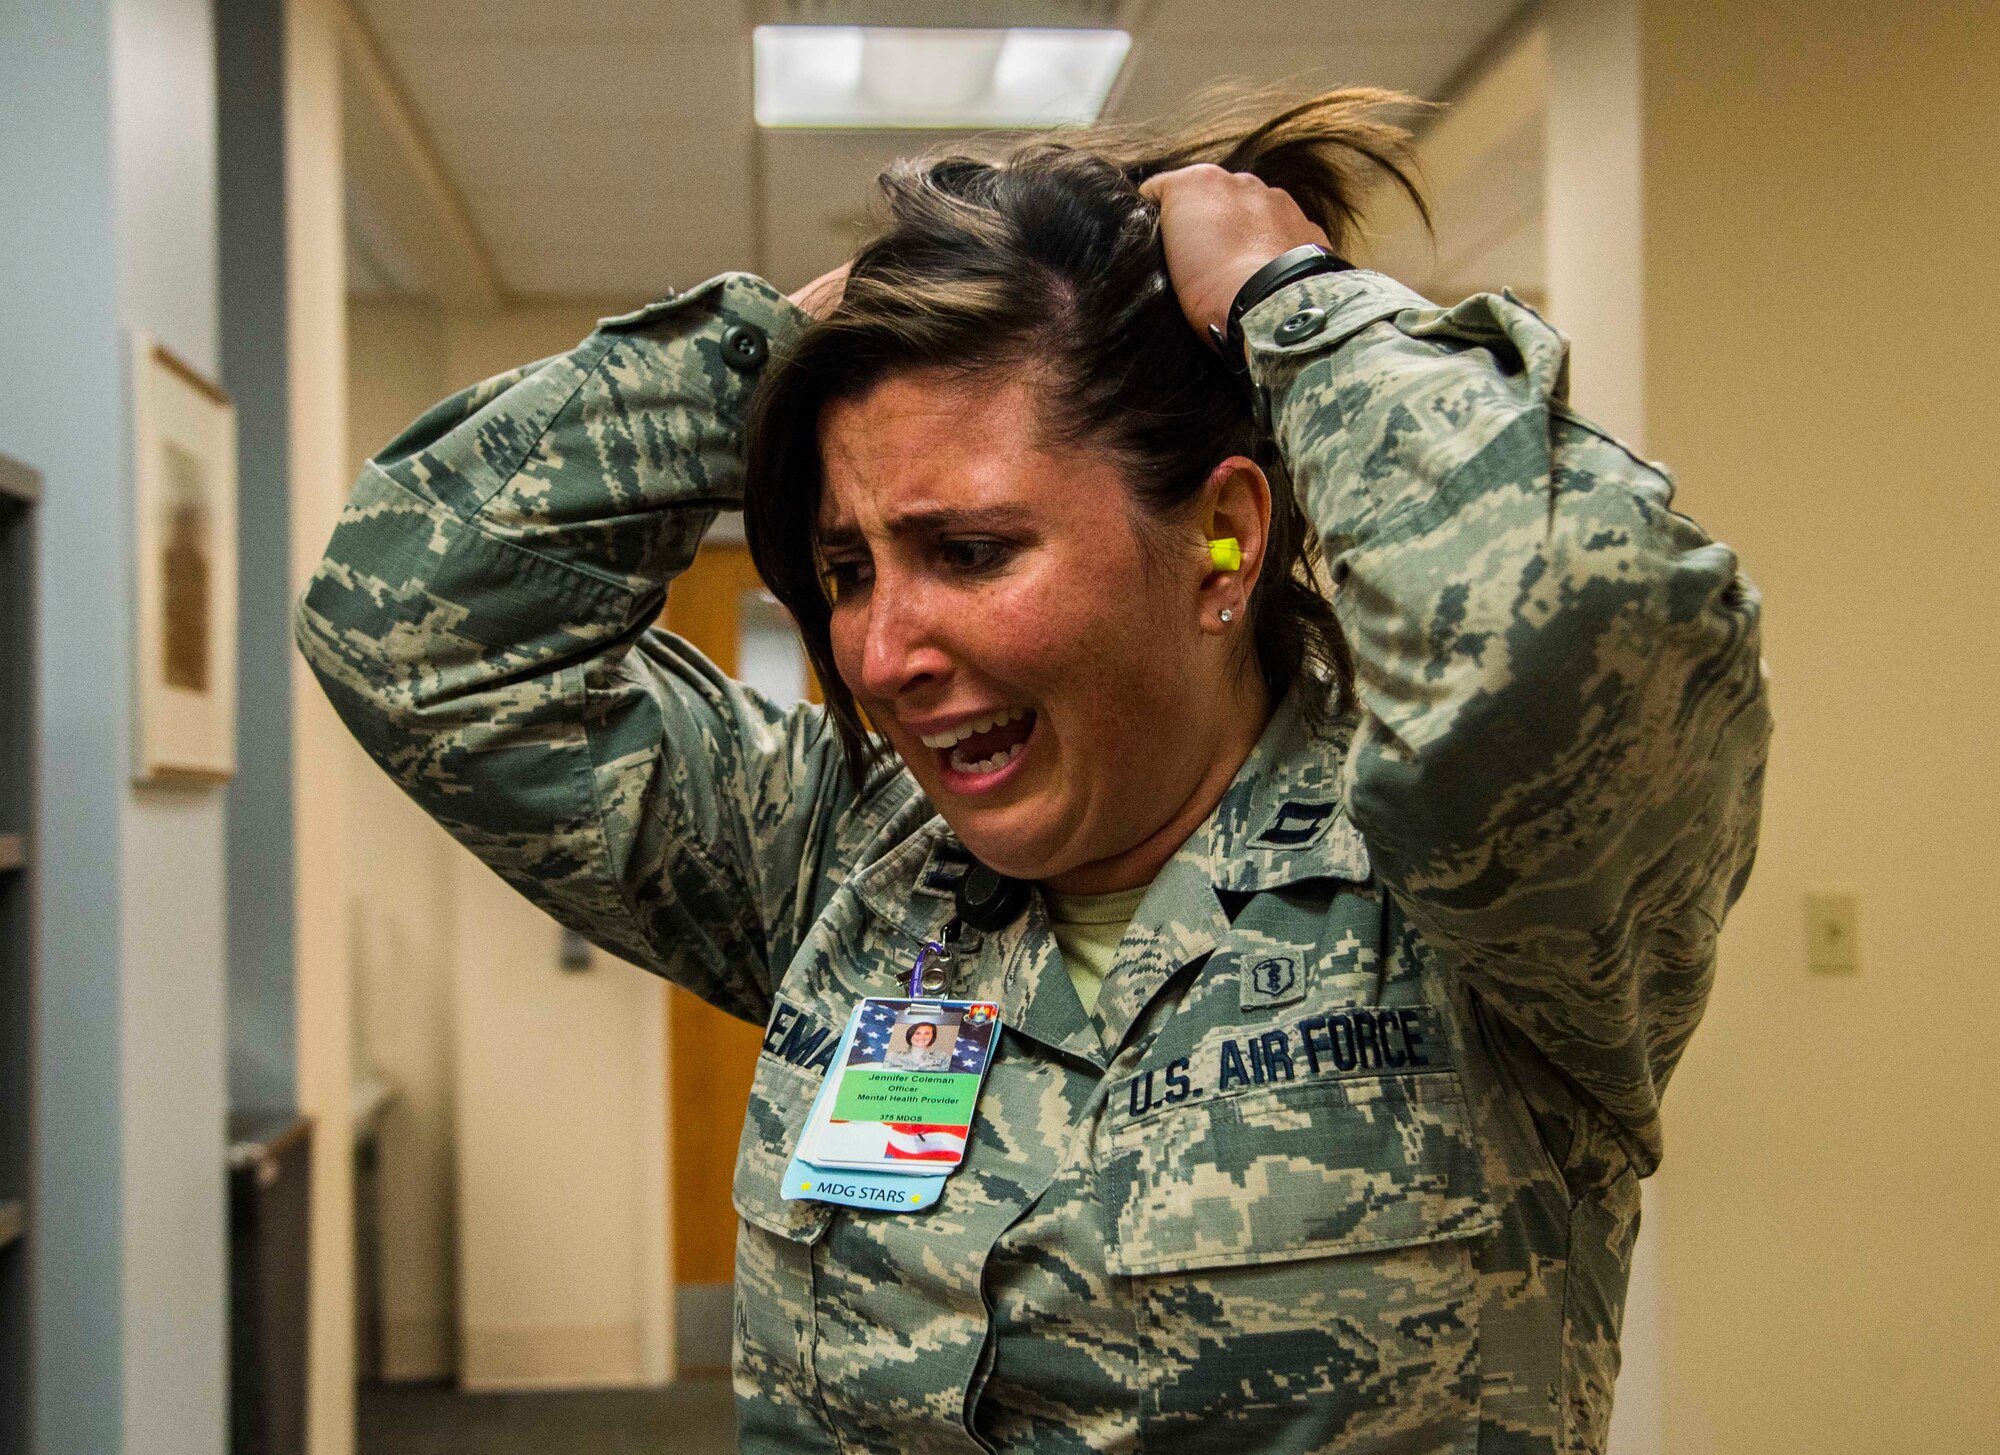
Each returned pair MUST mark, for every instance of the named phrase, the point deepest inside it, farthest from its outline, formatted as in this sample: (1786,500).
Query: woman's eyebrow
(839,537)
(934,520)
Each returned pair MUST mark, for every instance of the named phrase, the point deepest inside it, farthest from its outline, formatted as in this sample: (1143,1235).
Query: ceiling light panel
(879,76)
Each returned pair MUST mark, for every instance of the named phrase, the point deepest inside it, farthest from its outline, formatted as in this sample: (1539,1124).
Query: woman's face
(922,1035)
(995,615)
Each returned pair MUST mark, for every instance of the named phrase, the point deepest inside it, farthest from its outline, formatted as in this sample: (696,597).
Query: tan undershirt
(1088,928)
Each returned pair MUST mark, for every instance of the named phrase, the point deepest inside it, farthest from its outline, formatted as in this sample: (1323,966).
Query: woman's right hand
(821,296)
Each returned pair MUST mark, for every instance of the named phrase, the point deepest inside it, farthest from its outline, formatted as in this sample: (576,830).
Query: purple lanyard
(930,974)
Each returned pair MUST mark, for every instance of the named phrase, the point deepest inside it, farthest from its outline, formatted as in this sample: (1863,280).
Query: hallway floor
(693,1417)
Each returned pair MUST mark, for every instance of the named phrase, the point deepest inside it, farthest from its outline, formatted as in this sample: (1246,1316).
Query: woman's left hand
(1218,228)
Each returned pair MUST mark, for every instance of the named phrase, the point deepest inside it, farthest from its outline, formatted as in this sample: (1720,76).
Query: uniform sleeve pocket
(1295,1172)
(780,1098)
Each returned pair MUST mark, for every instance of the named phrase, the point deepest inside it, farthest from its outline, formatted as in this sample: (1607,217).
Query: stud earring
(1226,616)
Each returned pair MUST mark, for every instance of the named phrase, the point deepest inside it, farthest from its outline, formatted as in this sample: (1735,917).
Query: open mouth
(984,745)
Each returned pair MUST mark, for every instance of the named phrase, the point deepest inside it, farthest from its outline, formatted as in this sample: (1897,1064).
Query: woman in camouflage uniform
(1332,1139)
(920,1051)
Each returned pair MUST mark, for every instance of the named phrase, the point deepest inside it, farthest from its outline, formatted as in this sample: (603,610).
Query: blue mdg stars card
(833,1175)
(880,1191)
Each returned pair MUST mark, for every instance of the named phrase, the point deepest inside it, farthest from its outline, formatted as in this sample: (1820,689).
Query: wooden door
(711,1057)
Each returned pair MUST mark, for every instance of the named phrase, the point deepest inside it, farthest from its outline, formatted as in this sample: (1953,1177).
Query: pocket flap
(1294,1172)
(780,1097)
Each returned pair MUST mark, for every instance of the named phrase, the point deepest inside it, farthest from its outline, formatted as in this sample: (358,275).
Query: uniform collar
(911,885)
(1281,821)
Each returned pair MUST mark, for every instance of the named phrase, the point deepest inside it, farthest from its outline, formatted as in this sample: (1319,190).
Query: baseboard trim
(585,1356)
(415,1349)
(704,1316)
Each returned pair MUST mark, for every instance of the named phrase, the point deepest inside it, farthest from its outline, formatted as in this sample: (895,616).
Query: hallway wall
(1822,191)
(515,1238)
(107,223)
(399,925)
(1755,213)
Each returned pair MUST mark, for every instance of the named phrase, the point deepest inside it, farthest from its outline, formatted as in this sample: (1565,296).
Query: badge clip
(931,972)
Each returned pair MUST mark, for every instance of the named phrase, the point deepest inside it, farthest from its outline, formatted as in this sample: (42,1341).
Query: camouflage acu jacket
(1348,1157)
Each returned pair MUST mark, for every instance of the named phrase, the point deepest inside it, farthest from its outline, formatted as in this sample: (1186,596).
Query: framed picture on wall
(184,538)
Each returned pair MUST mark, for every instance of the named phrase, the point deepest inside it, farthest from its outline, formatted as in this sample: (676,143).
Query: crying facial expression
(995,614)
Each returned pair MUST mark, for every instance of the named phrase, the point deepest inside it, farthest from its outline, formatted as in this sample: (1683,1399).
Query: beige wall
(1480,165)
(1822,195)
(1754,214)
(398,869)
(318,403)
(522,1159)
(561,1154)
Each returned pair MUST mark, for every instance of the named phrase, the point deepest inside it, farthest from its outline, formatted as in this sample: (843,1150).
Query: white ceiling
(605,149)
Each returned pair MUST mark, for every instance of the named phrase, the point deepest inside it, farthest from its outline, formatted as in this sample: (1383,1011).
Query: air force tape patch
(1297,823)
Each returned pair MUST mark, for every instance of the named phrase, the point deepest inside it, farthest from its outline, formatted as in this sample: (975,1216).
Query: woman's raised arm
(1560,757)
(482,622)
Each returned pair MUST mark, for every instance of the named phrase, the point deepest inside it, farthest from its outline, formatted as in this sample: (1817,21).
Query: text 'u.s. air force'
(1357,1041)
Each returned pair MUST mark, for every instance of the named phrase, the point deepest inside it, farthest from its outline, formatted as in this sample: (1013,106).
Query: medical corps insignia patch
(1270,980)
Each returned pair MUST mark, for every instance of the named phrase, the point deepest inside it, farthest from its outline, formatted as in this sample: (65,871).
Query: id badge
(895,1110)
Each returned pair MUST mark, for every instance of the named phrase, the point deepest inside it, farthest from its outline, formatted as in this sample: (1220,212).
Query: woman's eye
(974,556)
(844,577)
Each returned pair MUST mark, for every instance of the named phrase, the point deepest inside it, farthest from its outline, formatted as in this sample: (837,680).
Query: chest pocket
(776,1322)
(1300,1264)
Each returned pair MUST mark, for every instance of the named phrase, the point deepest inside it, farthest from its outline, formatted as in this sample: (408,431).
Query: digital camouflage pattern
(1348,1158)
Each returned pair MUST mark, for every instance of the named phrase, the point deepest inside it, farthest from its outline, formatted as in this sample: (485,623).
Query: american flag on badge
(911,1143)
(968,1052)
(871,1034)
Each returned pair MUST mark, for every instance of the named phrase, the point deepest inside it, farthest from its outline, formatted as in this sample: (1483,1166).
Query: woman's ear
(1237,499)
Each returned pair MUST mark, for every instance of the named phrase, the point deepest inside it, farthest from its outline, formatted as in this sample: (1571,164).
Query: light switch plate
(573,951)
(1833,932)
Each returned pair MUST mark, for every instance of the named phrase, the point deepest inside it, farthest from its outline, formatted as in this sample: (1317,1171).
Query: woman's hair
(1046,260)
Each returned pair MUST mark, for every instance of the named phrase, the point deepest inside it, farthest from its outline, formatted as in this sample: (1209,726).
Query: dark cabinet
(20,489)
(270,1199)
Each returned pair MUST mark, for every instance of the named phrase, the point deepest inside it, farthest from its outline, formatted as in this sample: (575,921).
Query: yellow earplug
(1227,553)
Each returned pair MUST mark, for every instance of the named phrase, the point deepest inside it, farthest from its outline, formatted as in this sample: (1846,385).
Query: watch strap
(1288,267)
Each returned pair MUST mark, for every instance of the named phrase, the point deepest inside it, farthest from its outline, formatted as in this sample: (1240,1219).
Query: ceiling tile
(608,147)
(1162,75)
(664,20)
(608,226)
(1465,20)
(461,84)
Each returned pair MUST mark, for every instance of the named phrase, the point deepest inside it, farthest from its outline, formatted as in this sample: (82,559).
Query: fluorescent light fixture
(885,76)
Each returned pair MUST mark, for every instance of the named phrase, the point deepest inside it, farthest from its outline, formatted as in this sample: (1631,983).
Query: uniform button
(1301,325)
(743,346)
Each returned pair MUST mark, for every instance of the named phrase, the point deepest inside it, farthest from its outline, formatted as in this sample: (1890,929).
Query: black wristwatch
(1287,267)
